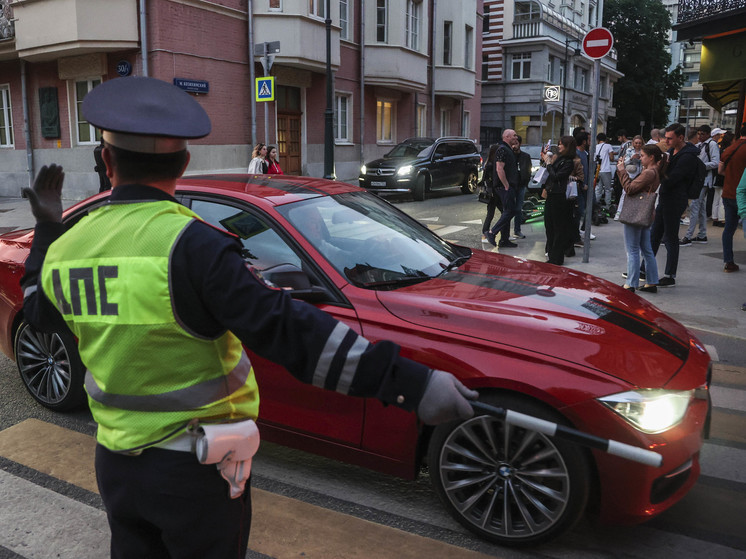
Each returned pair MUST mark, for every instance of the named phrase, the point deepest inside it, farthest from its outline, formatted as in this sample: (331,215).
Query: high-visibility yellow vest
(147,374)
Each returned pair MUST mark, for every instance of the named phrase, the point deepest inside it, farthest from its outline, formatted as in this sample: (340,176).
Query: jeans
(520,195)
(637,240)
(502,226)
(666,228)
(718,211)
(731,224)
(698,215)
(604,188)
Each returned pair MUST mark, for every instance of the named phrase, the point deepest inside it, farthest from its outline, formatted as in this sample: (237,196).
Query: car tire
(419,188)
(470,183)
(50,367)
(473,464)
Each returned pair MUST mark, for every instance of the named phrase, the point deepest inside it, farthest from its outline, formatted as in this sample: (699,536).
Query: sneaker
(684,221)
(731,267)
(484,238)
(700,240)
(506,244)
(490,238)
(616,218)
(685,242)
(629,288)
(578,244)
(667,281)
(518,235)
(642,275)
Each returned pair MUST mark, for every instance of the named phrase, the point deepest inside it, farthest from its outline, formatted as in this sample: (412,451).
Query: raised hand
(46,195)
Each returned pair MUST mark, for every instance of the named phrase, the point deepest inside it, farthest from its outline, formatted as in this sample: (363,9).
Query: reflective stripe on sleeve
(188,398)
(351,359)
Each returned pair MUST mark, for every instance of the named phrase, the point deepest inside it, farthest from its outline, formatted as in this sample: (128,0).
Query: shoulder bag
(639,209)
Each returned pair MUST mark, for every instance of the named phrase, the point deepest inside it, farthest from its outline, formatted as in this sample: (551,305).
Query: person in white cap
(161,304)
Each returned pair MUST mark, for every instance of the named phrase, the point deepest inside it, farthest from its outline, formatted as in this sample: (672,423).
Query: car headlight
(363,170)
(651,410)
(405,170)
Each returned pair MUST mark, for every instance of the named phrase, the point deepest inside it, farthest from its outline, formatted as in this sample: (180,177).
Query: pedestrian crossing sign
(265,89)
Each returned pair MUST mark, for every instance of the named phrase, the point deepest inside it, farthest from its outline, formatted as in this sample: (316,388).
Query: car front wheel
(50,367)
(470,183)
(418,193)
(505,483)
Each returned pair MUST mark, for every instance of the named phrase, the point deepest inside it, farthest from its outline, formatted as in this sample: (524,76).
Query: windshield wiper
(399,281)
(455,263)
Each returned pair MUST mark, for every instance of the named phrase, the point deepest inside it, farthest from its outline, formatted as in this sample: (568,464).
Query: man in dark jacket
(506,185)
(524,176)
(672,201)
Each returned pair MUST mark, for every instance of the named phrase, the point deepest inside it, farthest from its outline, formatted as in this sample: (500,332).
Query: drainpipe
(432,72)
(26,131)
(362,82)
(144,39)
(252,76)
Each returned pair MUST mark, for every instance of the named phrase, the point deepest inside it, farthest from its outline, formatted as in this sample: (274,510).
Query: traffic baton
(636,454)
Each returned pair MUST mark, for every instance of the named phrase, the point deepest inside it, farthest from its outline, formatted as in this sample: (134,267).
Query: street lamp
(564,80)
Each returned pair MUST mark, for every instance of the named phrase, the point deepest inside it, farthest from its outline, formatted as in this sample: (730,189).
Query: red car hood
(549,310)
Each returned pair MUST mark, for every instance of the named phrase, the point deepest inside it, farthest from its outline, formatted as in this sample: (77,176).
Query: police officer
(161,304)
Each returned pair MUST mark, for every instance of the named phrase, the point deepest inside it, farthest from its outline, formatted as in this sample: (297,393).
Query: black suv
(420,165)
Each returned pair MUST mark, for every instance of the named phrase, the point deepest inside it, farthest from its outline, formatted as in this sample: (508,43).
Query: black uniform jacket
(213,291)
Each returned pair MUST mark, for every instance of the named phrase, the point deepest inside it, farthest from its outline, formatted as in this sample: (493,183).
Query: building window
(447,41)
(344,19)
(342,115)
(522,66)
(317,8)
(412,24)
(382,17)
(527,11)
(422,120)
(485,67)
(551,68)
(466,124)
(467,47)
(445,122)
(562,68)
(87,133)
(275,5)
(6,118)
(486,20)
(385,121)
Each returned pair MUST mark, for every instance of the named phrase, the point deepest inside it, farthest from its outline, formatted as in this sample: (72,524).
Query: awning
(722,69)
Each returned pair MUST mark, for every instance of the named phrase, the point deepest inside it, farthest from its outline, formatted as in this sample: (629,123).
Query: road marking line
(473,222)
(429,219)
(449,229)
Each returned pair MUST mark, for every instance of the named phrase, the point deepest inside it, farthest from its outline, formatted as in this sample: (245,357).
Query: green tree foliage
(640,29)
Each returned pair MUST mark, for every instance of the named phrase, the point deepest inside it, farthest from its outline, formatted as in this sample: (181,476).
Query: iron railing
(693,10)
(7,27)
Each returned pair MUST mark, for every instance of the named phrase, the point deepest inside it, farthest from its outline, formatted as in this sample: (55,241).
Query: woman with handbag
(557,215)
(490,197)
(637,216)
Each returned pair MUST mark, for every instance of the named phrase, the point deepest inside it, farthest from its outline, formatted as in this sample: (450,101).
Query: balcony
(549,25)
(395,67)
(7,31)
(701,18)
(454,81)
(52,29)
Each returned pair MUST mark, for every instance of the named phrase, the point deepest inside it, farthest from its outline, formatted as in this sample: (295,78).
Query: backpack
(698,180)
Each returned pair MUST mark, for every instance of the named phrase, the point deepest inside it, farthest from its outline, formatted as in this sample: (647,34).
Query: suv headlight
(651,410)
(363,170)
(405,170)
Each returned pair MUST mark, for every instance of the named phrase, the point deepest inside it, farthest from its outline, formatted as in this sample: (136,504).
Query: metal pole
(266,108)
(564,90)
(362,81)
(252,76)
(329,128)
(144,38)
(434,27)
(591,162)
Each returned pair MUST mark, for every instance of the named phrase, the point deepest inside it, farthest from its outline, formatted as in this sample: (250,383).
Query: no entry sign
(598,42)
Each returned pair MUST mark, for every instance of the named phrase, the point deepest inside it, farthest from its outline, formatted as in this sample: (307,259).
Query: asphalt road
(50,507)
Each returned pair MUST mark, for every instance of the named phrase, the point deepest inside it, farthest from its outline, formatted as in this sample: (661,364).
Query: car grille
(373,173)
(667,485)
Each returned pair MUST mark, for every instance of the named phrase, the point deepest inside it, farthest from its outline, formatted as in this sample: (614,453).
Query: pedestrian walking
(258,164)
(161,304)
(557,221)
(524,177)
(637,237)
(718,209)
(604,157)
(506,170)
(273,167)
(732,168)
(709,153)
(490,179)
(672,199)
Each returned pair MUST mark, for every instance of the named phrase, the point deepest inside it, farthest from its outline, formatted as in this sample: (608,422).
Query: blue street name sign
(193,86)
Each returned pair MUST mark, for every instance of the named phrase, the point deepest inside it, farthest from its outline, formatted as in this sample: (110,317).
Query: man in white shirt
(604,157)
(655,136)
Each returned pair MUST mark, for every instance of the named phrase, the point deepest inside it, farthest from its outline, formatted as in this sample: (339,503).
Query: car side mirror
(296,282)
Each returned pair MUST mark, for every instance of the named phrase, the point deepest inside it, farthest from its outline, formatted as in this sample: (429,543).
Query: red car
(540,339)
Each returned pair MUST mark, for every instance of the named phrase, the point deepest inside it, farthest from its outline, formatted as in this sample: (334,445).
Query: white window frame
(447,42)
(380,105)
(382,8)
(522,59)
(412,19)
(7,138)
(317,8)
(344,19)
(445,122)
(277,9)
(466,124)
(421,120)
(468,50)
(95,134)
(343,98)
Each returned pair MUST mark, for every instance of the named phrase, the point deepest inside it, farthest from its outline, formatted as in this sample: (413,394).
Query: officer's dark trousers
(666,228)
(165,504)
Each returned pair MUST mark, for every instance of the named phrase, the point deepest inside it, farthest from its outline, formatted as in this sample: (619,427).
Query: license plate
(378,183)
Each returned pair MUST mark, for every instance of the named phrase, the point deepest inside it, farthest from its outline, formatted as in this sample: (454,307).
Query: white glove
(46,195)
(445,399)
